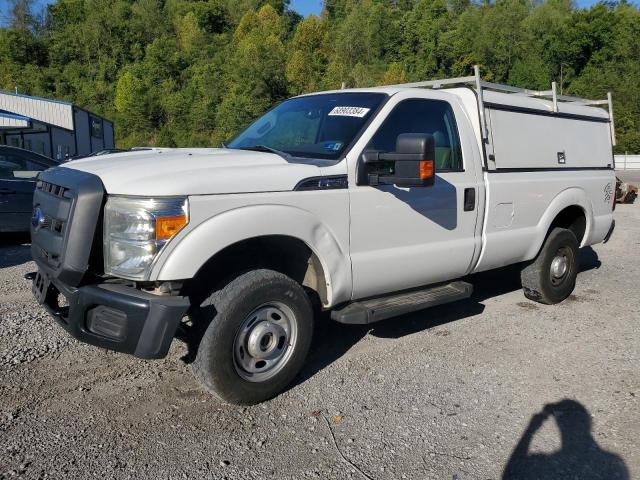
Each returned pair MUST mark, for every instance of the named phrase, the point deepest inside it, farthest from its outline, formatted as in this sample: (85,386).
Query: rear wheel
(551,277)
(258,337)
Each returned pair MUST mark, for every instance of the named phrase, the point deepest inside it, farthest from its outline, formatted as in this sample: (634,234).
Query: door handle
(6,191)
(469,199)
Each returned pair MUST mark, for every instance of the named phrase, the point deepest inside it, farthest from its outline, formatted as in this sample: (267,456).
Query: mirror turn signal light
(426,169)
(167,227)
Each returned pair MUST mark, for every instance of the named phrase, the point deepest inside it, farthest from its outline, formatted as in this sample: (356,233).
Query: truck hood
(200,171)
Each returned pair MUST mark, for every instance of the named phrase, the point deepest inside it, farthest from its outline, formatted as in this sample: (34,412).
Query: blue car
(18,172)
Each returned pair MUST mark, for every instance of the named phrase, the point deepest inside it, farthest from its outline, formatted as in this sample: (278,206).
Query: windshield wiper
(264,148)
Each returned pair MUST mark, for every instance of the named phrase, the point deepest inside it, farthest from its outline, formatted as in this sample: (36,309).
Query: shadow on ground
(579,457)
(14,249)
(333,340)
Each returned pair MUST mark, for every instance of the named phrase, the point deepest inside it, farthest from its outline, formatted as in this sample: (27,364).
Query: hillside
(192,73)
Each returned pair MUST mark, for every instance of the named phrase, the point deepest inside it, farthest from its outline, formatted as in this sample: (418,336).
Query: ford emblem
(37,218)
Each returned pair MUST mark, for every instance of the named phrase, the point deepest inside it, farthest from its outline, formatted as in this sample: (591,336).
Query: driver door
(408,237)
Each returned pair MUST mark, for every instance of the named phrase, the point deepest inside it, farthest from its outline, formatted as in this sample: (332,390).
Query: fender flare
(189,251)
(570,197)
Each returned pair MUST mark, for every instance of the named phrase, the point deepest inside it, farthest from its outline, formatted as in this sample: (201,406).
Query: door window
(15,167)
(434,117)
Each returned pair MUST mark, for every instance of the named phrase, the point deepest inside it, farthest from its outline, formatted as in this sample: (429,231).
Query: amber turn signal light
(426,169)
(167,227)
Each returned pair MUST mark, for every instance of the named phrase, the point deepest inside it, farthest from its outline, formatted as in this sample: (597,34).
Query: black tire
(216,365)
(539,281)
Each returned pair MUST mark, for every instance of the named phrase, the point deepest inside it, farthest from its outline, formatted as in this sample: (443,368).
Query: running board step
(381,308)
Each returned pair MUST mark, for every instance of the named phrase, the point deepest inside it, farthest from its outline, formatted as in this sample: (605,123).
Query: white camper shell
(508,124)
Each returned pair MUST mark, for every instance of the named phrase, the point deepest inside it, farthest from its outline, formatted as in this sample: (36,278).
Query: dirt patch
(528,305)
(576,299)
(443,333)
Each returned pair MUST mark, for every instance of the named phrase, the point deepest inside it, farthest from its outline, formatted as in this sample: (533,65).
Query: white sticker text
(349,111)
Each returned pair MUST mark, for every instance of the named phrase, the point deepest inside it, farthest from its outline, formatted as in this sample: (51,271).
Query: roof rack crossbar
(437,83)
(480,85)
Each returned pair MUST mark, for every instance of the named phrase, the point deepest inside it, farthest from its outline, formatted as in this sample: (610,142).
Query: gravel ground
(455,392)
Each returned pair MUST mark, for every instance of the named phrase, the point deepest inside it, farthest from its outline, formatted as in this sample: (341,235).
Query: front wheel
(551,277)
(258,338)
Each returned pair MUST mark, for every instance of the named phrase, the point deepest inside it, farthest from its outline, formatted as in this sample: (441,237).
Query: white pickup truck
(369,203)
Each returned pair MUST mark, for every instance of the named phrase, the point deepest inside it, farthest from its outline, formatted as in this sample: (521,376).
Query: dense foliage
(193,72)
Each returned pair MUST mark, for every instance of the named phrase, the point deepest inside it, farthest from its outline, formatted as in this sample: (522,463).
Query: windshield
(316,126)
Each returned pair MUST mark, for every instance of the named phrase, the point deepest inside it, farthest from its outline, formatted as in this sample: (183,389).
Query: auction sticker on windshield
(349,111)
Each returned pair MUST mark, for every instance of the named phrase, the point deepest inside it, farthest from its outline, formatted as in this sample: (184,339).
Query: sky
(305,7)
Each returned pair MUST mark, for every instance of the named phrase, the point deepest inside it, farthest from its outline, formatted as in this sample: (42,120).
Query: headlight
(136,229)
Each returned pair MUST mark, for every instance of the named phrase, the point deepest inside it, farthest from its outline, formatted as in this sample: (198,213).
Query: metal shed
(52,128)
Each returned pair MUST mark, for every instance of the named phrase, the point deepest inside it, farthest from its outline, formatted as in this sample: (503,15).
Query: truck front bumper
(113,316)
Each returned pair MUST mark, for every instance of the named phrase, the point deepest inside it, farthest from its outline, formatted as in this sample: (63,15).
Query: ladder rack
(476,81)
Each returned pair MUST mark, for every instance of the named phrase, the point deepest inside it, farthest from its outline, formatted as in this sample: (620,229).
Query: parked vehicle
(367,202)
(18,171)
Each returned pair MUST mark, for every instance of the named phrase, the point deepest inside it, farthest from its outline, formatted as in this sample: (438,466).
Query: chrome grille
(54,202)
(67,205)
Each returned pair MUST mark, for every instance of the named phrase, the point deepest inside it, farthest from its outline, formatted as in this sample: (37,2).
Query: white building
(52,128)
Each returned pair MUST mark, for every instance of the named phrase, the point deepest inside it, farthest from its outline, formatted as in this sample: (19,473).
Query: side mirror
(413,162)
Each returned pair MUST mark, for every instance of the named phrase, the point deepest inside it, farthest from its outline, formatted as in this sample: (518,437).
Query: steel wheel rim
(561,266)
(264,342)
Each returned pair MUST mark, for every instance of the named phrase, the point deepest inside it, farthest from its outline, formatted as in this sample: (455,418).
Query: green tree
(255,72)
(194,72)
(309,55)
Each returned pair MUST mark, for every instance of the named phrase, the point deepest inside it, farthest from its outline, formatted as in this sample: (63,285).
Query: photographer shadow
(580,456)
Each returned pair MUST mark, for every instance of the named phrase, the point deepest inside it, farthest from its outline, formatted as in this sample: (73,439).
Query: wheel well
(572,218)
(288,255)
